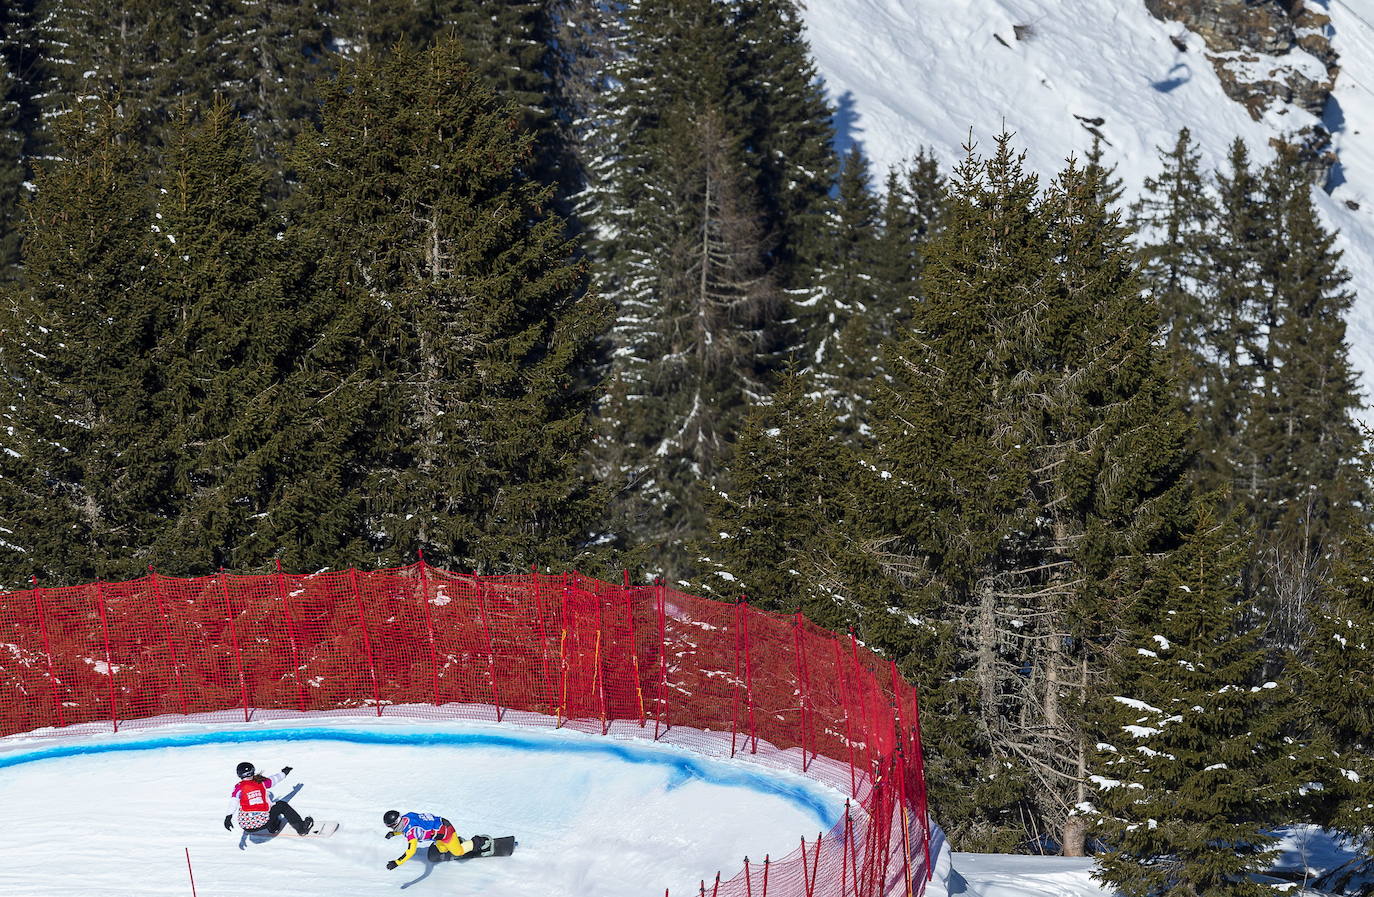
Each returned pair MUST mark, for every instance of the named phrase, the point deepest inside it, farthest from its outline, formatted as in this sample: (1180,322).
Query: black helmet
(391,817)
(245,770)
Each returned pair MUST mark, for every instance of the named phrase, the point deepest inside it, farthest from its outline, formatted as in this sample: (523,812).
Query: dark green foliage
(778,520)
(840,324)
(784,122)
(1034,454)
(22,71)
(1176,215)
(77,342)
(1239,306)
(913,203)
(224,343)
(1193,757)
(153,54)
(1301,440)
(1336,662)
(453,318)
(264,57)
(11,170)
(691,267)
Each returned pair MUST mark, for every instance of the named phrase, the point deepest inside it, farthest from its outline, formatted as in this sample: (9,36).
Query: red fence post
(734,704)
(367,639)
(749,678)
(765,876)
(563,658)
(234,638)
(167,631)
(280,580)
(47,649)
(802,688)
(599,674)
(806,877)
(844,850)
(539,614)
(491,648)
(870,733)
(662,715)
(749,885)
(921,779)
(815,866)
(429,624)
(845,702)
(189,872)
(634,646)
(109,662)
(901,775)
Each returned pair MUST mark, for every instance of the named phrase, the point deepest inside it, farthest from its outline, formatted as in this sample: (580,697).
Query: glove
(391,834)
(391,864)
(228,826)
(286,770)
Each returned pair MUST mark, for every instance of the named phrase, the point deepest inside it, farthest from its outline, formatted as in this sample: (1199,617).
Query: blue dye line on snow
(683,769)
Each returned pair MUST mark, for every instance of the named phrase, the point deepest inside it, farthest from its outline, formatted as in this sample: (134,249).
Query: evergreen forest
(580,284)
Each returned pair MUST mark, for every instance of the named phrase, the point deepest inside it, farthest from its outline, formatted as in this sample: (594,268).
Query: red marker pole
(190,873)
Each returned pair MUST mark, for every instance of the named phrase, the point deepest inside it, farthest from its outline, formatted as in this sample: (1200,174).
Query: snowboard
(320,829)
(503,846)
(483,846)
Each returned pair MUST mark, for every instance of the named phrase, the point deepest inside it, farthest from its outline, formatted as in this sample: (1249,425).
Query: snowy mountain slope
(911,73)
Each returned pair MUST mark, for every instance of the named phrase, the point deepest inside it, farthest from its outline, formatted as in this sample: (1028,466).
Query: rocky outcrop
(1267,52)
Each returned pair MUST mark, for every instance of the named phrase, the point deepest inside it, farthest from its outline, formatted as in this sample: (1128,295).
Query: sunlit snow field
(593,816)
(907,74)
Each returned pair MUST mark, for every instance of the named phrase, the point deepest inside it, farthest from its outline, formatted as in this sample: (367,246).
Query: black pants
(282,813)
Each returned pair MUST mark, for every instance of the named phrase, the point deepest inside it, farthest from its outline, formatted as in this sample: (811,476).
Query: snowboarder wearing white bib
(258,810)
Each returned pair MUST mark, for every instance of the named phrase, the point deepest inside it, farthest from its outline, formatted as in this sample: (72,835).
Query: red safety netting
(564,650)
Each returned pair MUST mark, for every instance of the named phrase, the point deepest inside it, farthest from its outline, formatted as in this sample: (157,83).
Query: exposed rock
(1267,52)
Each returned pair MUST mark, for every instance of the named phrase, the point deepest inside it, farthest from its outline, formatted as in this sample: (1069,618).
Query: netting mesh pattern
(557,650)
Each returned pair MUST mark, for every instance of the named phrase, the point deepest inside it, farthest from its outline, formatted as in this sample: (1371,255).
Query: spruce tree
(453,317)
(777,520)
(22,76)
(787,131)
(1239,313)
(76,342)
(149,53)
(12,174)
(685,259)
(223,341)
(1302,438)
(840,341)
(1175,217)
(264,57)
(1193,761)
(1032,450)
(1336,693)
(913,200)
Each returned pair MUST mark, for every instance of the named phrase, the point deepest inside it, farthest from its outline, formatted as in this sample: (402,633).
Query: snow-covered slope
(141,812)
(911,73)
